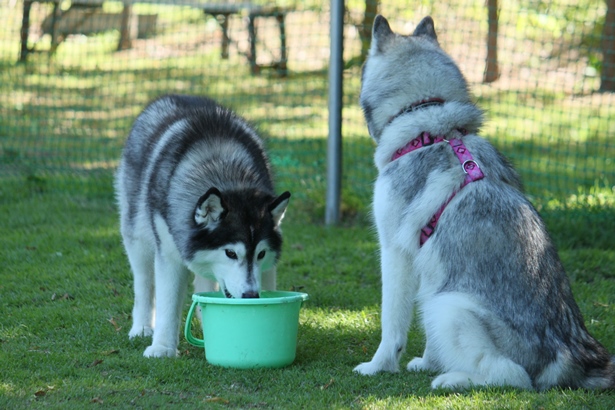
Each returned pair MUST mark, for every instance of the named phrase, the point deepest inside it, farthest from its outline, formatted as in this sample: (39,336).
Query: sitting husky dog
(195,193)
(460,239)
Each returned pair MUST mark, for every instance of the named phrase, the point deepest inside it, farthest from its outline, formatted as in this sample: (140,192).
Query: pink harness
(468,164)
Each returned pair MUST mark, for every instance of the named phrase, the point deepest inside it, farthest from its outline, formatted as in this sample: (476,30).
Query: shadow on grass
(63,125)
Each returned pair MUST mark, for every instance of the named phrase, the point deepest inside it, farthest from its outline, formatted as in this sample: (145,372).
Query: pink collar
(468,164)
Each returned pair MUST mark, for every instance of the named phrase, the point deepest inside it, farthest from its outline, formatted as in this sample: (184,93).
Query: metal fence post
(334,144)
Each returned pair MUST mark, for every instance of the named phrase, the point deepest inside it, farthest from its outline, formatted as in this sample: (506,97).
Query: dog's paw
(454,381)
(160,351)
(140,331)
(366,369)
(371,368)
(418,364)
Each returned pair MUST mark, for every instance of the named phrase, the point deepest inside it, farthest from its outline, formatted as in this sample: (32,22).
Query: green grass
(67,296)
(70,113)
(65,284)
(564,153)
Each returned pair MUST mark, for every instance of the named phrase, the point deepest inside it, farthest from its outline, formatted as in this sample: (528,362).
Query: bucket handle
(188,328)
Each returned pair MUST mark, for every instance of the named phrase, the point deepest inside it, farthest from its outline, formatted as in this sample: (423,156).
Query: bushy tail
(599,371)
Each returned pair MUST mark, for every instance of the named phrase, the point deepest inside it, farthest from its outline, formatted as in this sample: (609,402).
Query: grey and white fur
(195,194)
(494,300)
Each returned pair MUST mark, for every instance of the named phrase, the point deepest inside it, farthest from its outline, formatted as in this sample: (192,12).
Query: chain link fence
(74,75)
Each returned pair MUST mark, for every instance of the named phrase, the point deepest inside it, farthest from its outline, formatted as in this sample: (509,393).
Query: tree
(365,28)
(607,77)
(492,70)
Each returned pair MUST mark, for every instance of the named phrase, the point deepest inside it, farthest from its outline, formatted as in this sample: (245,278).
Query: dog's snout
(249,295)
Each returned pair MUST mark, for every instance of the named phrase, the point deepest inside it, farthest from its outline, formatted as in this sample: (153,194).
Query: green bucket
(247,333)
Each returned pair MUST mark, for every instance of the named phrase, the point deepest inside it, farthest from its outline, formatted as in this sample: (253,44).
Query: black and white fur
(195,193)
(495,302)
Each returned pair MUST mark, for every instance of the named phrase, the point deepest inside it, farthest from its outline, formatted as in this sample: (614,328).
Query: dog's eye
(261,255)
(231,254)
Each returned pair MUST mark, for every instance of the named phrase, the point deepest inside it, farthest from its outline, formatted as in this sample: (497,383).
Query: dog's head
(402,70)
(236,237)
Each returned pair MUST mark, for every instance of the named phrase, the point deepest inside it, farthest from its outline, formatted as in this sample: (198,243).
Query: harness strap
(467,162)
(473,173)
(423,140)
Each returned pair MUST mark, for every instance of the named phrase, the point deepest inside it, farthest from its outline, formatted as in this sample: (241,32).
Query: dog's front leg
(399,287)
(141,261)
(171,285)
(203,284)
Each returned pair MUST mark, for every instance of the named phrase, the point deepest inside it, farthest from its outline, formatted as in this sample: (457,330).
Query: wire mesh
(74,75)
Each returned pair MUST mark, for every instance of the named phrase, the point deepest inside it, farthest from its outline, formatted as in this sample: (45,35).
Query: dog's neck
(429,102)
(441,119)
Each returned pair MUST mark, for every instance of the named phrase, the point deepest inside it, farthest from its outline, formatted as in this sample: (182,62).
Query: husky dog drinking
(195,193)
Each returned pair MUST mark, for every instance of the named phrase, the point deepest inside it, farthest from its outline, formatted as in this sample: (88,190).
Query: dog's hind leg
(399,287)
(141,258)
(425,363)
(462,339)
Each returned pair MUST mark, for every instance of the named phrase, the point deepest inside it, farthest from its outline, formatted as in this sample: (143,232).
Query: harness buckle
(469,165)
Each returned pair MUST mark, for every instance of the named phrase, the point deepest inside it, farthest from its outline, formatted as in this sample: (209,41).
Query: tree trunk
(127,29)
(492,71)
(365,30)
(607,77)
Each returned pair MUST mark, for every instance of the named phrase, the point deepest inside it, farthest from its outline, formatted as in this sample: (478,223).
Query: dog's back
(178,146)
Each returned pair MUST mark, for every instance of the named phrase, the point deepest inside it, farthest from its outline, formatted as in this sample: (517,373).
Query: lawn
(65,283)
(66,302)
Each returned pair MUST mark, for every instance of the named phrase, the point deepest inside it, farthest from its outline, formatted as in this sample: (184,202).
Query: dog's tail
(603,378)
(599,369)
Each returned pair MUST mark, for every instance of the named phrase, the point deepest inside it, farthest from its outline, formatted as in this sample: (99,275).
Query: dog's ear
(381,33)
(278,207)
(210,208)
(426,28)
